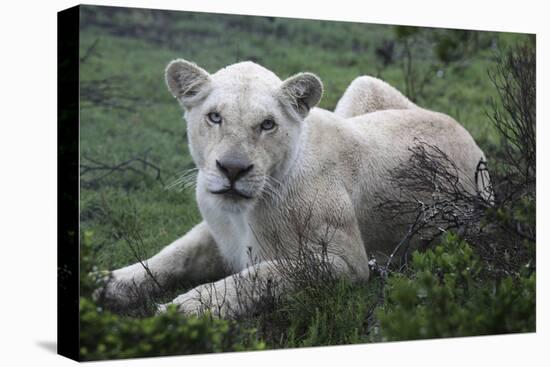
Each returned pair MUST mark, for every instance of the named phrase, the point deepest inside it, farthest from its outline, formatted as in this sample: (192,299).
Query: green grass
(130,51)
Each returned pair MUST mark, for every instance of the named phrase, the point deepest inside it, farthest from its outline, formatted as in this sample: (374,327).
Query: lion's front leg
(192,259)
(234,295)
(242,293)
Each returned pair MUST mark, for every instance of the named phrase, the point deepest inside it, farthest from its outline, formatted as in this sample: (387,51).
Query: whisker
(273,179)
(182,171)
(271,191)
(187,178)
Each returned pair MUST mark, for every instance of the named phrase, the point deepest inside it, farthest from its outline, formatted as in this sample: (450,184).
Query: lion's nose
(234,168)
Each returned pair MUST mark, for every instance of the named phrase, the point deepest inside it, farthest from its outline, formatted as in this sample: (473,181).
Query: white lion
(272,167)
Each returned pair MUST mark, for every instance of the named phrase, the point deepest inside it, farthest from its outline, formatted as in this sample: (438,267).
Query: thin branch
(94,165)
(90,51)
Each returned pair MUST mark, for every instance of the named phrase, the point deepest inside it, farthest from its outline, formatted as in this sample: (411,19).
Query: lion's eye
(267,125)
(214,118)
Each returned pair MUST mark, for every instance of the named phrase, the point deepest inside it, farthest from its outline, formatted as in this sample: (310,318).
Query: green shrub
(105,335)
(447,296)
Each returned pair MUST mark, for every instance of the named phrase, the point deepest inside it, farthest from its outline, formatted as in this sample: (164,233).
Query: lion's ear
(186,81)
(303,91)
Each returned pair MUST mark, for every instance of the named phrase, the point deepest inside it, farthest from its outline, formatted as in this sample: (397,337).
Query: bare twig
(108,93)
(90,51)
(434,199)
(515,118)
(93,165)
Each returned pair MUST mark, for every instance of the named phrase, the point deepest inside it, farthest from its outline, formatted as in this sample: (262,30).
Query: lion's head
(243,126)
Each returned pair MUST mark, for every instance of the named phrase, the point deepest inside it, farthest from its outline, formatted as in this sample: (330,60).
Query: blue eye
(214,118)
(267,125)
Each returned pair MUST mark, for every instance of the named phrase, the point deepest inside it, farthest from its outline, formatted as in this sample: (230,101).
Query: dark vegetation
(477,273)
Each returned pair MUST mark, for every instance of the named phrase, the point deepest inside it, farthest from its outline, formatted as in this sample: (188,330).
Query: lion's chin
(235,205)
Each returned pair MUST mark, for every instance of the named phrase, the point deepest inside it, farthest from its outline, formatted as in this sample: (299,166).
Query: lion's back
(361,153)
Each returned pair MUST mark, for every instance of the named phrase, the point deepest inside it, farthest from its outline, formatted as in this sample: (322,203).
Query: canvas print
(250,183)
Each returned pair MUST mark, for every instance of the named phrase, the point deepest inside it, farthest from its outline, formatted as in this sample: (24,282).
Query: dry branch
(434,196)
(90,51)
(108,93)
(94,165)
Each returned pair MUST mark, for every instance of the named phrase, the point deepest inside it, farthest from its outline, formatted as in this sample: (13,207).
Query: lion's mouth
(231,192)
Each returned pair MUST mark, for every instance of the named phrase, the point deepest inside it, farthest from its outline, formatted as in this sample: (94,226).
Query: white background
(28,149)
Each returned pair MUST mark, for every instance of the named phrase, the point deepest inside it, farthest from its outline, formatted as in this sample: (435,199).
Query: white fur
(316,166)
